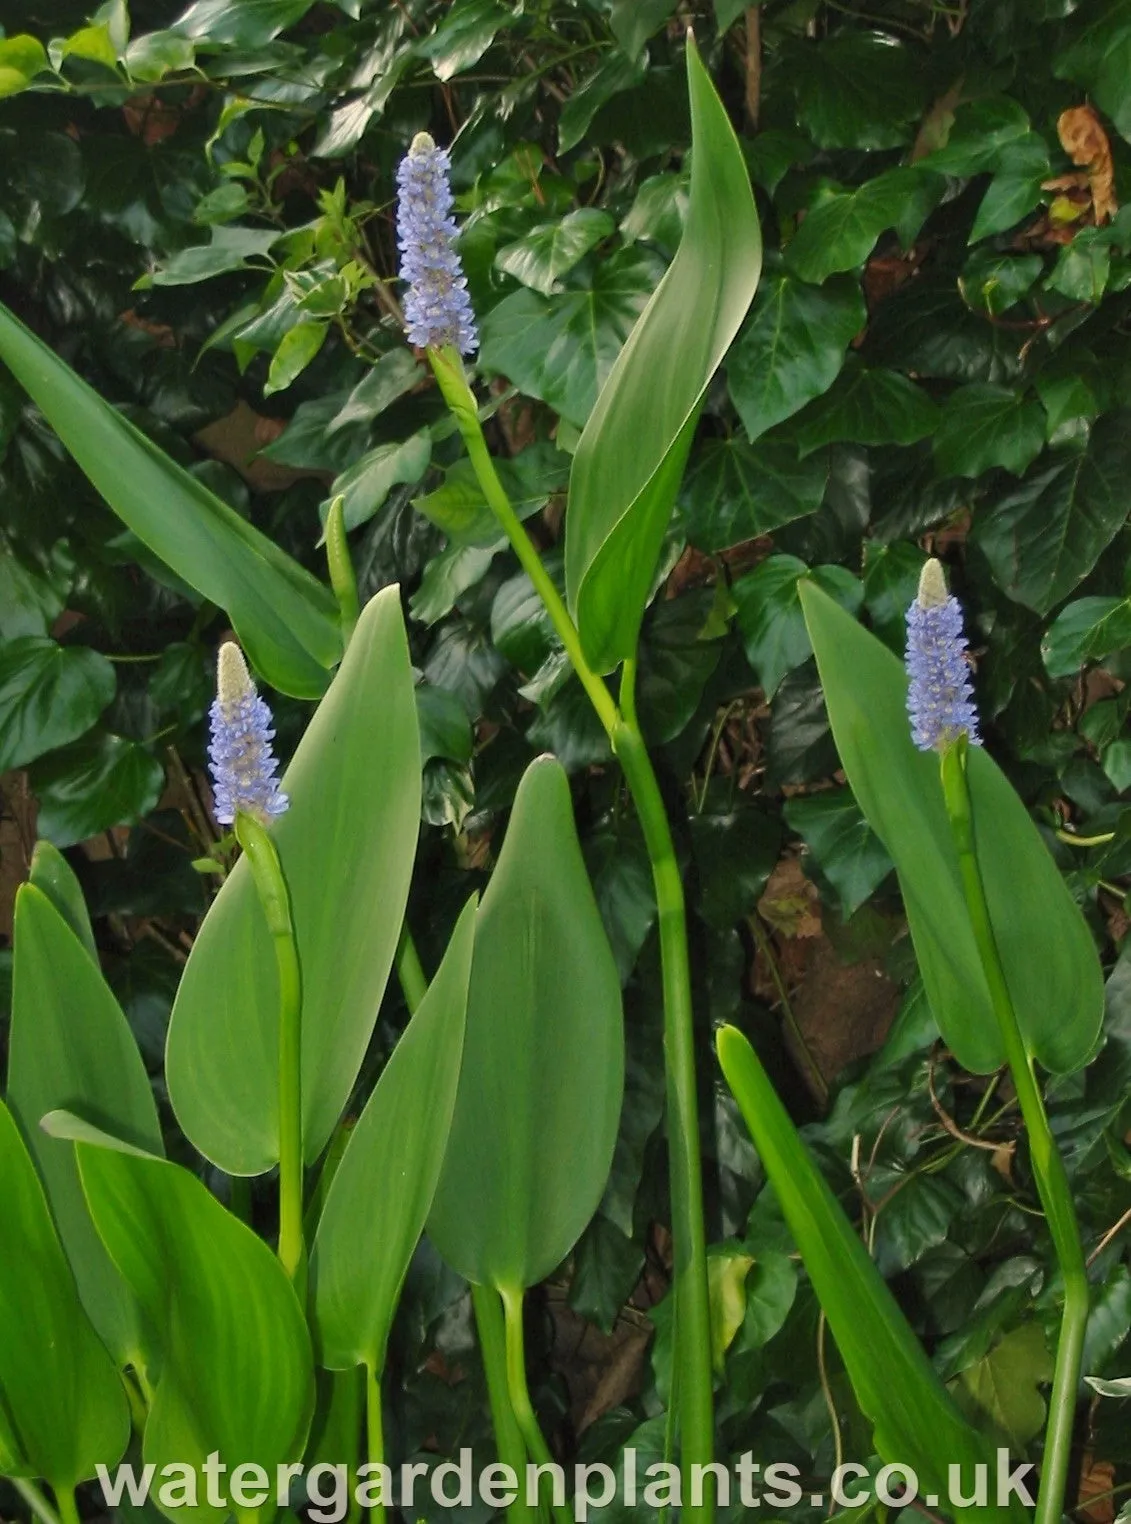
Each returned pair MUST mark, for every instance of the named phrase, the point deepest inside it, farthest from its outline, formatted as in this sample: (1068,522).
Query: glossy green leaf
(299,347)
(62,1407)
(231,1362)
(368,481)
(1086,631)
(871,407)
(71,1049)
(382,1191)
(621,498)
(241,23)
(791,348)
(1046,948)
(99,782)
(856,89)
(915,1422)
(841,232)
(539,1097)
(735,491)
(561,348)
(770,618)
(286,621)
(346,844)
(983,426)
(541,257)
(21,59)
(49,695)
(1045,534)
(841,843)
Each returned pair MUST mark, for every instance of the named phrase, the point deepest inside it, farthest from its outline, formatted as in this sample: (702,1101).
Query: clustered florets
(243,763)
(940,699)
(437,307)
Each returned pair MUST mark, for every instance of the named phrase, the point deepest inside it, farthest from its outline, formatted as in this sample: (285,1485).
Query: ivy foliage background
(196,211)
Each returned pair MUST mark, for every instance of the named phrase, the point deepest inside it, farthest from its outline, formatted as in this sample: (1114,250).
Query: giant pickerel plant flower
(243,763)
(940,699)
(437,307)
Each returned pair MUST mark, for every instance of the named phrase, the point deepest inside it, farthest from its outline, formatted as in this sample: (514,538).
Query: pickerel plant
(137,1308)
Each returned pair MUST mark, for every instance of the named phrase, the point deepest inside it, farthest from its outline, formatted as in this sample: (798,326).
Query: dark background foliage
(937,362)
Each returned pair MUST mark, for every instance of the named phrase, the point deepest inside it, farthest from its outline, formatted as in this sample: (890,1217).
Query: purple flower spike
(243,764)
(437,307)
(940,699)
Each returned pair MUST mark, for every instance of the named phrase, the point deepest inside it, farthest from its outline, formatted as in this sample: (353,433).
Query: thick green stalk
(691,1290)
(521,1405)
(693,1317)
(273,896)
(68,1508)
(1048,1166)
(508,1436)
(374,1433)
(340,567)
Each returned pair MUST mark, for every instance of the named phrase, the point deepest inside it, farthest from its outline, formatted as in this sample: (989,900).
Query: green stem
(414,984)
(508,1437)
(460,399)
(273,896)
(689,1241)
(1048,1167)
(40,1507)
(68,1508)
(340,567)
(523,1409)
(690,1285)
(374,1433)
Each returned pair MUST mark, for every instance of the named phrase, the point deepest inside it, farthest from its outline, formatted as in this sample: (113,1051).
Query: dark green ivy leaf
(842,844)
(100,782)
(49,695)
(983,426)
(736,491)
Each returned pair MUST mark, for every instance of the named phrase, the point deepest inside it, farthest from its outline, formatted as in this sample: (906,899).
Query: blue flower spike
(940,700)
(242,761)
(437,307)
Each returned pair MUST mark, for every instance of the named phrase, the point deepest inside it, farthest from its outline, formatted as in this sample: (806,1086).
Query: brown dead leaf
(1097,1478)
(790,903)
(1086,143)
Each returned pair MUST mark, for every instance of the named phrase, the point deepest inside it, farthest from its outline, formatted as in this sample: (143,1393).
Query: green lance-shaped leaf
(539,1096)
(346,844)
(382,1190)
(72,1049)
(286,620)
(915,1421)
(1046,949)
(631,456)
(230,1359)
(62,1406)
(53,875)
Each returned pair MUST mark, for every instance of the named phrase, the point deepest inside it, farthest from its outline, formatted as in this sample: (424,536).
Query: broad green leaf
(1002,1391)
(561,348)
(61,1401)
(1044,536)
(856,89)
(617,73)
(381,1193)
(870,407)
(231,1366)
(459,508)
(32,596)
(791,348)
(49,695)
(92,43)
(914,1421)
(891,585)
(842,844)
(245,24)
(286,621)
(770,618)
(72,1049)
(993,282)
(230,248)
(841,232)
(1083,267)
(346,844)
(621,497)
(983,426)
(1015,190)
(539,1096)
(1046,949)
(1100,59)
(736,491)
(659,212)
(393,375)
(299,347)
(727,1269)
(152,56)
(634,21)
(1086,631)
(101,781)
(53,876)
(21,59)
(549,251)
(464,35)
(367,483)
(979,133)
